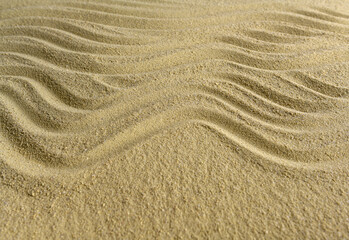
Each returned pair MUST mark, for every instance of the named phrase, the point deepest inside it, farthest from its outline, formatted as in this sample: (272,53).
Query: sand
(174,119)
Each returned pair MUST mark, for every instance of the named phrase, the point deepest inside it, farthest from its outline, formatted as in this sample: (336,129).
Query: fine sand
(174,120)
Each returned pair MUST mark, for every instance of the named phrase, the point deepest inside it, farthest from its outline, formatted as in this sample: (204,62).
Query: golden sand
(174,120)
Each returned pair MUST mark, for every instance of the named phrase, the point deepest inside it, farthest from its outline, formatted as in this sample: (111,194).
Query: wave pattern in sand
(83,81)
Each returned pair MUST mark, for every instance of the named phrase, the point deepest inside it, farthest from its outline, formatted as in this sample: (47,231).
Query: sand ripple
(81,82)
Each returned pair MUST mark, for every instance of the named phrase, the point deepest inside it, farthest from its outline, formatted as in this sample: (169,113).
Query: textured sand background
(162,120)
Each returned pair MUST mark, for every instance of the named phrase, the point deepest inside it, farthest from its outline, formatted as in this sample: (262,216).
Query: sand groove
(124,72)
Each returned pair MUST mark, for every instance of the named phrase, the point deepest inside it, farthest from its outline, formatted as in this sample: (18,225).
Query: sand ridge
(85,81)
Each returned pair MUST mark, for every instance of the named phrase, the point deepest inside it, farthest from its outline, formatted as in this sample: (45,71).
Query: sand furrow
(114,66)
(47,154)
(332,12)
(108,21)
(22,44)
(100,49)
(241,97)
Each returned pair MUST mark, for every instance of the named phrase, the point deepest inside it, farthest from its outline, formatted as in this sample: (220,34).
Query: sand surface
(174,120)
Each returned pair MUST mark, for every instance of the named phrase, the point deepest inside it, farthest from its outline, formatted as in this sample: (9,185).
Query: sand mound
(85,83)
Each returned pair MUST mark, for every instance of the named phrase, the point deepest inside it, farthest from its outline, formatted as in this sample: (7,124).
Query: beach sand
(174,119)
